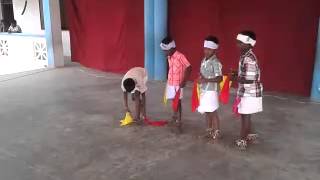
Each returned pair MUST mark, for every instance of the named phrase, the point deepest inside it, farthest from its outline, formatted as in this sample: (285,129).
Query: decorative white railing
(20,52)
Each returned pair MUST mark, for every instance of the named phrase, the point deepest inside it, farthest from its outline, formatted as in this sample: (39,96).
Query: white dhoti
(172,90)
(250,105)
(209,102)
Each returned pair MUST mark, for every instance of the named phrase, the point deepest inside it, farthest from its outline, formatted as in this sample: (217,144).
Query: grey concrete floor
(63,124)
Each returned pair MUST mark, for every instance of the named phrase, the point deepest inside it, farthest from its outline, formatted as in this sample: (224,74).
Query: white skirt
(209,102)
(172,90)
(250,105)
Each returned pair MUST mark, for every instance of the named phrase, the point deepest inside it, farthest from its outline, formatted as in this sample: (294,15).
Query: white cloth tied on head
(246,39)
(210,44)
(169,46)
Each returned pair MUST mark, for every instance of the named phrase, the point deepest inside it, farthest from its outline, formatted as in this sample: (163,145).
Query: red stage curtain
(107,34)
(286,36)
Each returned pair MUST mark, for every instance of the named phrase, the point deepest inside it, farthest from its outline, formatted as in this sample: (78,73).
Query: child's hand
(233,72)
(183,84)
(202,80)
(233,75)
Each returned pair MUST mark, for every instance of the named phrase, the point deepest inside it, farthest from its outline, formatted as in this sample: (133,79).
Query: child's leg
(179,114)
(215,120)
(215,125)
(245,125)
(209,129)
(143,105)
(174,115)
(176,118)
(137,101)
(209,120)
(251,137)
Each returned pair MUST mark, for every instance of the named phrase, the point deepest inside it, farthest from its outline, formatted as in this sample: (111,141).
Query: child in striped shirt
(249,95)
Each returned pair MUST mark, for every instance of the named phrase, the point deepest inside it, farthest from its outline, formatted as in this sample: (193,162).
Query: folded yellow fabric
(127,120)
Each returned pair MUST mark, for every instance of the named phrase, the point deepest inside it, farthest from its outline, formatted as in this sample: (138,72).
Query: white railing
(20,52)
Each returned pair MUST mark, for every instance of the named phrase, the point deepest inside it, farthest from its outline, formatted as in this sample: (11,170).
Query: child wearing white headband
(249,94)
(210,77)
(179,72)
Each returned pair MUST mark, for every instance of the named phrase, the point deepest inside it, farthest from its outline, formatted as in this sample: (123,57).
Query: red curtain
(286,36)
(106,34)
(109,35)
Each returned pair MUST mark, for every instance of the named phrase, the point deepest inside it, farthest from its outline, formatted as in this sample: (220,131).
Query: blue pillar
(149,37)
(160,32)
(315,91)
(53,35)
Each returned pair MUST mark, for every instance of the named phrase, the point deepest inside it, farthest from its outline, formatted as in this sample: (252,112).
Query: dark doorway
(64,24)
(7,11)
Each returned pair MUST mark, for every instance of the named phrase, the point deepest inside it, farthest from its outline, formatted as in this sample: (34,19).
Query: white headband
(169,46)
(246,39)
(210,45)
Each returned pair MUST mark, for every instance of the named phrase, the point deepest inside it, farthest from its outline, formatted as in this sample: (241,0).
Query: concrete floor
(63,124)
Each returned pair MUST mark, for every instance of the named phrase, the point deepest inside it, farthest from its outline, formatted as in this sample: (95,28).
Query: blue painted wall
(315,91)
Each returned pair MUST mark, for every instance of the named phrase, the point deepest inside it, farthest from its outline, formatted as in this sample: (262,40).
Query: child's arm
(217,71)
(243,80)
(144,111)
(217,79)
(187,73)
(125,100)
(234,77)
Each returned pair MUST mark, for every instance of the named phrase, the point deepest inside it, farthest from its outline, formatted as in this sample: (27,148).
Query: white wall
(29,22)
(66,43)
(32,53)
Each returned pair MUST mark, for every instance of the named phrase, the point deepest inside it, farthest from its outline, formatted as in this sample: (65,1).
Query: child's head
(246,40)
(129,85)
(168,46)
(210,46)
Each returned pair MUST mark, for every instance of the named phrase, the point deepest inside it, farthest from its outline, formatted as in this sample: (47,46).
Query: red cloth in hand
(225,92)
(195,97)
(175,102)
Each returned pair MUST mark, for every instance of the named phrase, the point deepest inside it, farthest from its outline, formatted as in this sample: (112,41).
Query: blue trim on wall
(149,37)
(315,90)
(48,31)
(160,32)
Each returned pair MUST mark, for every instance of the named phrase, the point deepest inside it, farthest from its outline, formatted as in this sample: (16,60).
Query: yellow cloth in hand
(223,81)
(165,100)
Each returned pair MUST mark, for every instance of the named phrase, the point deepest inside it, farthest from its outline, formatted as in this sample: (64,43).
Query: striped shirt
(210,68)
(177,66)
(249,70)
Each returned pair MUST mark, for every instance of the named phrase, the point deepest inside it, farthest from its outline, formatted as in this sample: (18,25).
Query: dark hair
(213,39)
(129,84)
(167,40)
(251,34)
(14,21)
